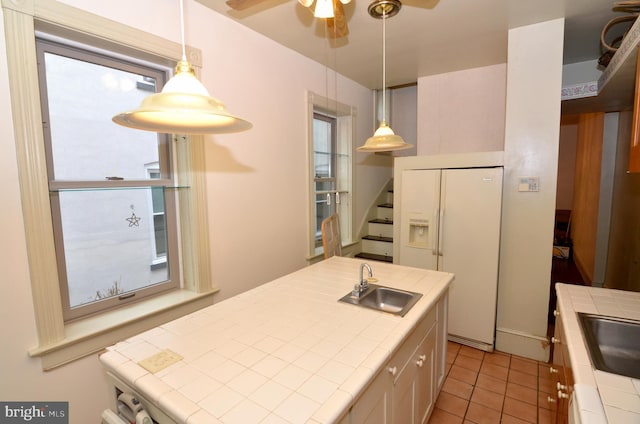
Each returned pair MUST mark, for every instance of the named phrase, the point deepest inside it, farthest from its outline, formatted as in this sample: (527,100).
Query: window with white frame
(110,212)
(54,174)
(330,167)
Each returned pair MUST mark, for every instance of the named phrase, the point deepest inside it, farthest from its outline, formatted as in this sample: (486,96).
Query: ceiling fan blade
(337,26)
(242,4)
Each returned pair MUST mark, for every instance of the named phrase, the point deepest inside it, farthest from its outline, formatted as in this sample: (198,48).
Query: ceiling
(427,37)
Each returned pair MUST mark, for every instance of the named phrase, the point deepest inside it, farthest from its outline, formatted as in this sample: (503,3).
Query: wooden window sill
(92,334)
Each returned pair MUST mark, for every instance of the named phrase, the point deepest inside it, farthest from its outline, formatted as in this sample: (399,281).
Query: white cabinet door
(413,389)
(374,407)
(441,341)
(403,395)
(426,378)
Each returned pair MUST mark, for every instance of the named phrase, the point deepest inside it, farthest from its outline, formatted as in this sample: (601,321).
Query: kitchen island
(289,352)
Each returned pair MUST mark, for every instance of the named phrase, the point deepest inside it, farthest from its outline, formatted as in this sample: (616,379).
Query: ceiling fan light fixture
(324,9)
(184,106)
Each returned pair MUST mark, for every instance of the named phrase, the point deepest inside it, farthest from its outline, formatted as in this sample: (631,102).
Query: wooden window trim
(346,117)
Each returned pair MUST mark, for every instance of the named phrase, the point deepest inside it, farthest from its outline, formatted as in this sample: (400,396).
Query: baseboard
(471,343)
(522,344)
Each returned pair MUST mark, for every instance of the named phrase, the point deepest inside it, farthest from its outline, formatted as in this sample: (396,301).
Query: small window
(114,212)
(324,155)
(331,165)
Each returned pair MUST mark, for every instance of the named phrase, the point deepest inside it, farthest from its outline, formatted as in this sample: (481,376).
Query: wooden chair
(331,241)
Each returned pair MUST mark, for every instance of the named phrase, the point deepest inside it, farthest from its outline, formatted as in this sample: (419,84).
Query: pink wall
(463,111)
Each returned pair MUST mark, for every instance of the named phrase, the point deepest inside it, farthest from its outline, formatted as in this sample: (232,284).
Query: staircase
(377,244)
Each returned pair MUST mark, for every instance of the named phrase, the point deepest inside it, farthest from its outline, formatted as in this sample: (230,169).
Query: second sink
(613,343)
(386,299)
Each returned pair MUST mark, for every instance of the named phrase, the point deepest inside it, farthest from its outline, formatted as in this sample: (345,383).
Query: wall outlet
(160,361)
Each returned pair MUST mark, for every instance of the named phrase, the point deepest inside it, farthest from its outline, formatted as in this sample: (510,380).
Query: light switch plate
(160,361)
(528,184)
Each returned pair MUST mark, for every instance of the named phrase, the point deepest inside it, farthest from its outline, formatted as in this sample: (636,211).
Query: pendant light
(384,139)
(184,106)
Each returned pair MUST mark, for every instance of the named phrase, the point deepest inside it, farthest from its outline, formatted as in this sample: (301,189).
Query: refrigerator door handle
(433,231)
(440,231)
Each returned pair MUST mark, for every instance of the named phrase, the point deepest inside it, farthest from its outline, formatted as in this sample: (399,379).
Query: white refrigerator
(449,220)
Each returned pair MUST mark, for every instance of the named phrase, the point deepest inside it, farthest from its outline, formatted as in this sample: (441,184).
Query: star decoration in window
(133,220)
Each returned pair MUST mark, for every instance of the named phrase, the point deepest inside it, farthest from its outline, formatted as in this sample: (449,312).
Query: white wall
(531,150)
(256,183)
(463,111)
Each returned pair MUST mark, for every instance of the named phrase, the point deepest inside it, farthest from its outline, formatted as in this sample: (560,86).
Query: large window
(330,167)
(88,185)
(114,212)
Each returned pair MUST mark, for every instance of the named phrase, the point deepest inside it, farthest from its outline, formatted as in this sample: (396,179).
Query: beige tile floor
(495,387)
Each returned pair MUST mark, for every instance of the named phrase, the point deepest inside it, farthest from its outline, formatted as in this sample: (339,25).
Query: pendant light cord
(335,63)
(335,66)
(384,66)
(326,68)
(184,50)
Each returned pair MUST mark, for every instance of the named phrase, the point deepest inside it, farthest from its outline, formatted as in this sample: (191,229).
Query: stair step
(384,212)
(378,238)
(375,257)
(381,221)
(386,205)
(377,245)
(381,227)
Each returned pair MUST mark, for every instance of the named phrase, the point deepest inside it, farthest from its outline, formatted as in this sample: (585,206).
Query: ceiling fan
(332,10)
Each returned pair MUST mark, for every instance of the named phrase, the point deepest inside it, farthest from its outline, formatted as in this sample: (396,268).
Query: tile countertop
(284,352)
(604,397)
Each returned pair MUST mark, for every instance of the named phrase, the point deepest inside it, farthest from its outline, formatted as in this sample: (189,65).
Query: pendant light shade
(384,139)
(184,106)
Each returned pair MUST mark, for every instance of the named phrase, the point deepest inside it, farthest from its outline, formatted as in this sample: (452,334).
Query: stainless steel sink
(613,343)
(386,299)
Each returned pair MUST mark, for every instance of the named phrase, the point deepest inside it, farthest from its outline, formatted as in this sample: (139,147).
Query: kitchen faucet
(363,282)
